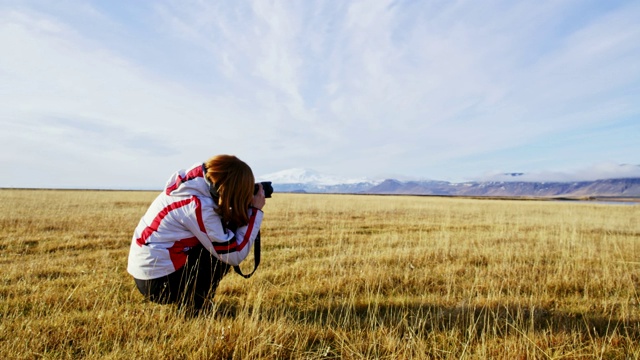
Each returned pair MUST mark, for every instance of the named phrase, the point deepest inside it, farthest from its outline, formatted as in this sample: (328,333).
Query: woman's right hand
(258,199)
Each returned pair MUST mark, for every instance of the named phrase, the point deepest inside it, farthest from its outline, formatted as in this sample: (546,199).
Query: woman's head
(235,182)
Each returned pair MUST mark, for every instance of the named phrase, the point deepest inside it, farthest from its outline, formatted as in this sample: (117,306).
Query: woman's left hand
(258,199)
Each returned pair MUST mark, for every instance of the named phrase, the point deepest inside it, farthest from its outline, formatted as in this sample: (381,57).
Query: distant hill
(602,188)
(510,184)
(392,186)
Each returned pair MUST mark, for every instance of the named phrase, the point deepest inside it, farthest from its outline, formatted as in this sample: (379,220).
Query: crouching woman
(205,221)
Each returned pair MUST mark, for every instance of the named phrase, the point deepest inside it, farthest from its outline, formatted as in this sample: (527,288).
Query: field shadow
(422,319)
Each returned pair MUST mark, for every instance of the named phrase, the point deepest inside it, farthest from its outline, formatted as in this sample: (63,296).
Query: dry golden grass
(342,276)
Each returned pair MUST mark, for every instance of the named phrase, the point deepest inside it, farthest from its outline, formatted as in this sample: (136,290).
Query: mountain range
(310,181)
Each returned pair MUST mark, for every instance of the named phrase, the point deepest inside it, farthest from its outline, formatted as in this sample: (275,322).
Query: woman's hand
(258,199)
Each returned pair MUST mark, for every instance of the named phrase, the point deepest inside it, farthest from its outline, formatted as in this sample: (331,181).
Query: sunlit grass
(341,277)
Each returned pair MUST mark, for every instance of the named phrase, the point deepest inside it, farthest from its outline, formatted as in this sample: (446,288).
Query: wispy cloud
(597,171)
(430,89)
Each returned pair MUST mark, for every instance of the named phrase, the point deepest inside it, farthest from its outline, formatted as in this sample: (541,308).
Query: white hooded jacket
(181,217)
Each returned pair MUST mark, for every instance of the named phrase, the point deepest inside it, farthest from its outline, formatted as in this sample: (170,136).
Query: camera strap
(256,259)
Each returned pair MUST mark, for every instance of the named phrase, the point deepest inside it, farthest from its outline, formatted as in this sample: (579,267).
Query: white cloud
(358,88)
(596,171)
(53,78)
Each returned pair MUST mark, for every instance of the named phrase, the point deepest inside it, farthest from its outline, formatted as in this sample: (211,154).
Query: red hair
(235,182)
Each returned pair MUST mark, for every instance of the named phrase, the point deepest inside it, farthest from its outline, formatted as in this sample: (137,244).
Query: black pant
(190,285)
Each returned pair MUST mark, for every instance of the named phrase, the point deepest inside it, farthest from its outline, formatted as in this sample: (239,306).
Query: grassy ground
(342,276)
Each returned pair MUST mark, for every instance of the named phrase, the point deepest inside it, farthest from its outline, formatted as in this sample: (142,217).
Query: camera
(266,185)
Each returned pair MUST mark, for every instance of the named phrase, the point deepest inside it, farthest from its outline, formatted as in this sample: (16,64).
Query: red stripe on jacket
(178,252)
(155,224)
(247,235)
(192,174)
(199,214)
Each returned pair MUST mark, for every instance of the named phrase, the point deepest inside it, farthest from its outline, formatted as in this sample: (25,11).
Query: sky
(120,94)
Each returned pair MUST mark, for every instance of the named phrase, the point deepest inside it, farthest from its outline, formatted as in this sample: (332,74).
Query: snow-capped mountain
(309,180)
(302,176)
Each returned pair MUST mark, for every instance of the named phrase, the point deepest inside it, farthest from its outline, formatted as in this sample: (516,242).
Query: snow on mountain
(311,181)
(308,176)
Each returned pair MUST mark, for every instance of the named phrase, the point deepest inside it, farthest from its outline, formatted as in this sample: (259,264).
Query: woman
(206,220)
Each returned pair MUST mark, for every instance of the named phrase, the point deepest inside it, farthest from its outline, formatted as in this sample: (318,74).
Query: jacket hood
(189,182)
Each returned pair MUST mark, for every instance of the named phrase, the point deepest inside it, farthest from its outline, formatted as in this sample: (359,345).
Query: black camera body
(266,185)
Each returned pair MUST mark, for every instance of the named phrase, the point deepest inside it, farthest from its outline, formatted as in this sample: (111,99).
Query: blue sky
(119,94)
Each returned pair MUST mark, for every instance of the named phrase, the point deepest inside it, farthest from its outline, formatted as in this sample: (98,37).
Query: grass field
(351,277)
